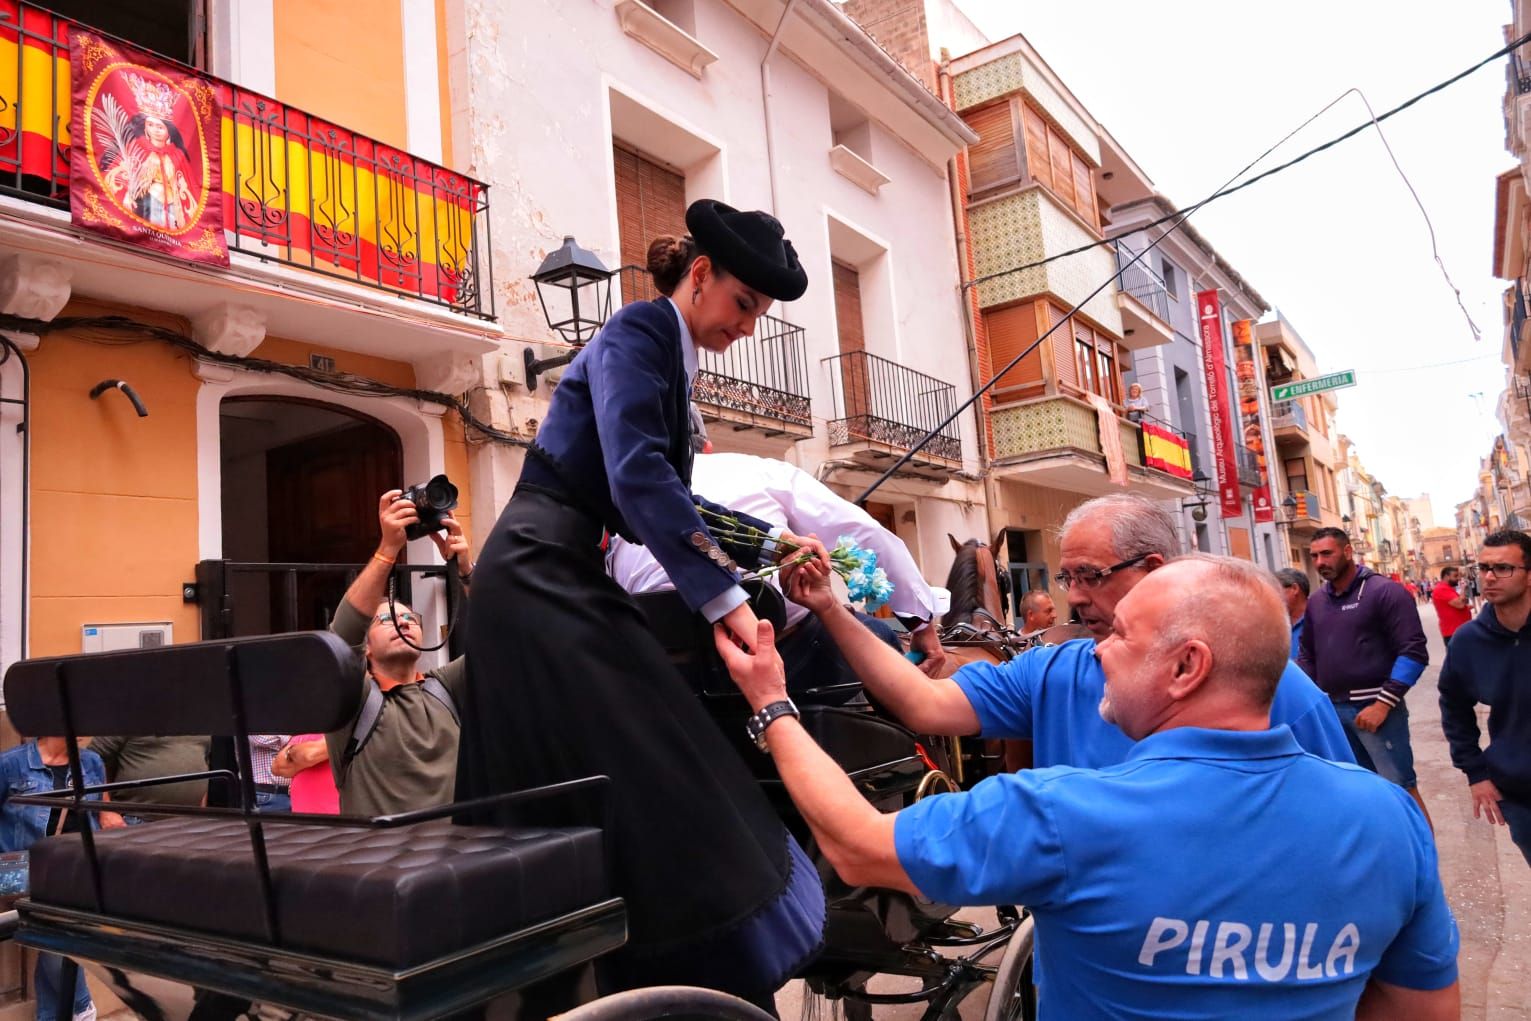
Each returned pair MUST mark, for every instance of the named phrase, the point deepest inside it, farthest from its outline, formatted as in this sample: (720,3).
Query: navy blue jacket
(619,430)
(1488,663)
(1364,644)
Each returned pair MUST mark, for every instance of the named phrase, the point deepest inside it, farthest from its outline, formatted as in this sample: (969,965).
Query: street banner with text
(1246,371)
(1215,375)
(1303,387)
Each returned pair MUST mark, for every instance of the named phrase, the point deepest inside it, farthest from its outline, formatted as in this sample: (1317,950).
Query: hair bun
(668,259)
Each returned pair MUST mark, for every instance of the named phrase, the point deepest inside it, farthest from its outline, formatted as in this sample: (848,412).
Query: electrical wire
(1229,190)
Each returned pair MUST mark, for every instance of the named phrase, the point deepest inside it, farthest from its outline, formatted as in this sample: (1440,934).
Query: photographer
(400,753)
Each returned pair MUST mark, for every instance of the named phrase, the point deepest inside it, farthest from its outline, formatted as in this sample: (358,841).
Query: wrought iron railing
(766,374)
(1249,466)
(882,401)
(1307,506)
(1142,282)
(1198,464)
(1143,441)
(1289,413)
(296,189)
(1520,73)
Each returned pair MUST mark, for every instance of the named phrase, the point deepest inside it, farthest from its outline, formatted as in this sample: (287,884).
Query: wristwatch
(756,725)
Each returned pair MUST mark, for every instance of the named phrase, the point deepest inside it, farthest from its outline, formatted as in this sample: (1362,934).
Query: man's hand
(808,585)
(112,821)
(740,624)
(761,675)
(790,545)
(1372,717)
(1486,799)
(454,545)
(393,515)
(927,641)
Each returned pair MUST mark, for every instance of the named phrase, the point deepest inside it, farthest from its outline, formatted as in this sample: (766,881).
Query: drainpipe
(765,99)
(969,329)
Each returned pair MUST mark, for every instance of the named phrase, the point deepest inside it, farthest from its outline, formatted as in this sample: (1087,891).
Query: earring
(696,294)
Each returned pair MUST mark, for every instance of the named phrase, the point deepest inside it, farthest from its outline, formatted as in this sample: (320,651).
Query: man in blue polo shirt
(1165,886)
(1049,696)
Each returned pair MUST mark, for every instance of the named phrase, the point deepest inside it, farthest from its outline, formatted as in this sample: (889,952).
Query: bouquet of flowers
(866,583)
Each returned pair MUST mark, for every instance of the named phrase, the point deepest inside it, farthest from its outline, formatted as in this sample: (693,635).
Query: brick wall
(899,27)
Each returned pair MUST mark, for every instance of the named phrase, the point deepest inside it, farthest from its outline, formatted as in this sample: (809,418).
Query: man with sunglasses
(400,753)
(1489,663)
(1051,696)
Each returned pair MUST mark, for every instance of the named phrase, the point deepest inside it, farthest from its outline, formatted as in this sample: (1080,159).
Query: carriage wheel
(1014,997)
(667,1002)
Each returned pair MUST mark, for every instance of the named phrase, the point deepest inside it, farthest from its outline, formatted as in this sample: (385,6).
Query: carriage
(410,916)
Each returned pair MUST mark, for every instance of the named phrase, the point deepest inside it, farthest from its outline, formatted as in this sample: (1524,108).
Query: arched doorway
(301,480)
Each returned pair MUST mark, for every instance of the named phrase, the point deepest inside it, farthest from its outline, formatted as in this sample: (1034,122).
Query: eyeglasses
(405,619)
(1500,570)
(1089,577)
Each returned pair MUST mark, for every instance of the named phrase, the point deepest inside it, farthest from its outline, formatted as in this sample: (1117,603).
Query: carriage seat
(391,897)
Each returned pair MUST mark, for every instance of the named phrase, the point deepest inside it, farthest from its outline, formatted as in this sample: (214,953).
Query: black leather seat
(396,898)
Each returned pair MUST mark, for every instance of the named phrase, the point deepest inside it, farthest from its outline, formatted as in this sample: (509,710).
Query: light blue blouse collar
(687,345)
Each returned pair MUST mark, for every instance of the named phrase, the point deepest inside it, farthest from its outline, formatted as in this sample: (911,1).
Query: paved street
(1486,879)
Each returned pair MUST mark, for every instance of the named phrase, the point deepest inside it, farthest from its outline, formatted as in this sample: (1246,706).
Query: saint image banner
(1246,372)
(1214,372)
(145,155)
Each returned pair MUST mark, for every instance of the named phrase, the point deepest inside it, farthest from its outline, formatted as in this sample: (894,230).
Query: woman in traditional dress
(154,181)
(565,678)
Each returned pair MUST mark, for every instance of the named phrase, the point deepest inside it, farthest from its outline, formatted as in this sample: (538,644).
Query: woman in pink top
(306,759)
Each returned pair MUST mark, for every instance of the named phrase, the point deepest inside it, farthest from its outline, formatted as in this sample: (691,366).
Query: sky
(1195,89)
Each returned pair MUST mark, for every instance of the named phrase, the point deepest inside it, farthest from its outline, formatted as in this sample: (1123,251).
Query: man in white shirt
(791,498)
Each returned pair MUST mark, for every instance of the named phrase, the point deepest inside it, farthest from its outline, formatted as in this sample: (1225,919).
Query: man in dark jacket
(1489,662)
(1362,643)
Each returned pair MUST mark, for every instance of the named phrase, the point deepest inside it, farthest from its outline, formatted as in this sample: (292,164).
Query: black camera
(434,500)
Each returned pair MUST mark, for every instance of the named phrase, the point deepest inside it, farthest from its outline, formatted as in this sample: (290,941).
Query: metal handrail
(1289,413)
(880,400)
(302,191)
(1140,281)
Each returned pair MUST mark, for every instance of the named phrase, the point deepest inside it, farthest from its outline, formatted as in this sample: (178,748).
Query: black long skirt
(565,681)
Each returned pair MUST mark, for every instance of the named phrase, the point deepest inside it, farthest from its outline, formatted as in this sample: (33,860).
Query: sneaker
(88,1014)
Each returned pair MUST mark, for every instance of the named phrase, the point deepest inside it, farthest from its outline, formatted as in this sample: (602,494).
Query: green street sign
(1303,387)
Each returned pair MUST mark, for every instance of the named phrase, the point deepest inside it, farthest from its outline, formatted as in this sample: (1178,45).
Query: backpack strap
(434,688)
(372,710)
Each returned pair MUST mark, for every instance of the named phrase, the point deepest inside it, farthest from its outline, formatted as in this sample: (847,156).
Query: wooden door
(855,373)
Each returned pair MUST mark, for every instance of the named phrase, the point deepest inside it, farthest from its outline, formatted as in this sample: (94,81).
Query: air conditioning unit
(115,637)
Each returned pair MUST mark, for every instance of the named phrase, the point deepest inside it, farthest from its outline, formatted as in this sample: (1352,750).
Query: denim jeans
(270,801)
(45,982)
(1518,815)
(1387,751)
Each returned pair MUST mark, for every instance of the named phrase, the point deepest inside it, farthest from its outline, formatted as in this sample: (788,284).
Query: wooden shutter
(1084,192)
(1063,166)
(1011,331)
(651,200)
(1038,163)
(994,160)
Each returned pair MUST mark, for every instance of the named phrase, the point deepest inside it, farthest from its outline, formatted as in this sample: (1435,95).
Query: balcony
(1055,442)
(760,382)
(1289,421)
(297,191)
(1144,302)
(882,409)
(1307,517)
(1249,466)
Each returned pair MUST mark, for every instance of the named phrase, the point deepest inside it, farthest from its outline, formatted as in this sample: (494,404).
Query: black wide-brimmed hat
(749,245)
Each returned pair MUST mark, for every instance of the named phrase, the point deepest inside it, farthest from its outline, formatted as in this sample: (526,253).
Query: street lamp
(574,287)
(1198,507)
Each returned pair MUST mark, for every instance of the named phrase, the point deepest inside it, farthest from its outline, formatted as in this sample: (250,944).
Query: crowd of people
(1223,817)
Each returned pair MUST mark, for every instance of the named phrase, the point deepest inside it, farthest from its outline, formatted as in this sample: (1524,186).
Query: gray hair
(1239,612)
(1291,577)
(1139,526)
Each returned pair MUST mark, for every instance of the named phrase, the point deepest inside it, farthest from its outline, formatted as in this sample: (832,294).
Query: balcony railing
(1520,74)
(1307,510)
(881,401)
(296,189)
(764,375)
(1249,466)
(1165,457)
(1289,415)
(1142,282)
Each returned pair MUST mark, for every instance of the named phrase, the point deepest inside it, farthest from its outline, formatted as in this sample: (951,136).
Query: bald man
(1038,612)
(1163,886)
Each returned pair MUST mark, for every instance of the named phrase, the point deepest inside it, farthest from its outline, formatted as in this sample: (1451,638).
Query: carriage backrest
(305,682)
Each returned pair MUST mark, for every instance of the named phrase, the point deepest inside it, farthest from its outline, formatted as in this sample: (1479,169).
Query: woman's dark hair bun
(669,259)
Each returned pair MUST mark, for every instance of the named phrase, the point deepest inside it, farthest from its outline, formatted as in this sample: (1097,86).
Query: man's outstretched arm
(1381,1001)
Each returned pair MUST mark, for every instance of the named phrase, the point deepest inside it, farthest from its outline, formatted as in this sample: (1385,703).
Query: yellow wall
(343,61)
(114,497)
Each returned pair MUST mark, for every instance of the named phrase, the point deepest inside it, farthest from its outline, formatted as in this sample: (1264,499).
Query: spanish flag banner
(1166,451)
(286,185)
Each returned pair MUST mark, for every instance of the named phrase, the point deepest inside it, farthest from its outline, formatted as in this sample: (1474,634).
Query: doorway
(301,481)
(1028,567)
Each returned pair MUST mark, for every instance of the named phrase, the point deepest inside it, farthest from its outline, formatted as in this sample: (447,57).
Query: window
(1042,155)
(1297,474)
(175,28)
(994,161)
(1168,271)
(651,200)
(1106,375)
(1053,163)
(1085,355)
(1095,363)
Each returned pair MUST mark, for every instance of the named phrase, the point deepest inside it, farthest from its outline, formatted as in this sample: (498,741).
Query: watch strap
(756,725)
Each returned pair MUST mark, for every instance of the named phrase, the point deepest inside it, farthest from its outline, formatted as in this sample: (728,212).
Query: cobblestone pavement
(1487,883)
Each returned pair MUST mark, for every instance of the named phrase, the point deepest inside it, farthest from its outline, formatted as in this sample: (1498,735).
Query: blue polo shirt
(1051,697)
(1203,877)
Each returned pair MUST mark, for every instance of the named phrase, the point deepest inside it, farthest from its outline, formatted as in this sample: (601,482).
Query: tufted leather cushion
(396,897)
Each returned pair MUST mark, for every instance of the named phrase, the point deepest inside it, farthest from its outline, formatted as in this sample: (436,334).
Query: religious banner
(144,164)
(1214,373)
(1246,370)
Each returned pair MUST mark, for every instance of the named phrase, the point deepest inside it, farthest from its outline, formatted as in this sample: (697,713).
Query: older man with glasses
(1489,663)
(1051,696)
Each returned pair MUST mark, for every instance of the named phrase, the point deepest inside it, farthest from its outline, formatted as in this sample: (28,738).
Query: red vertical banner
(1246,373)
(1214,373)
